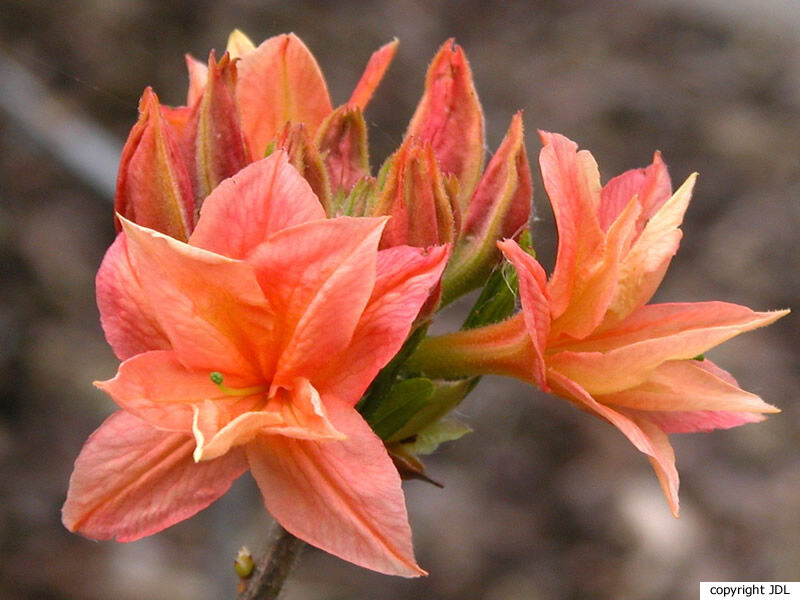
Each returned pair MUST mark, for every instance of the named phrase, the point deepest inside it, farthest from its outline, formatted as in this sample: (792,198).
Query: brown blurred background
(541,502)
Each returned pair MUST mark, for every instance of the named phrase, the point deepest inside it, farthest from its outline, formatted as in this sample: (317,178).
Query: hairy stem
(274,567)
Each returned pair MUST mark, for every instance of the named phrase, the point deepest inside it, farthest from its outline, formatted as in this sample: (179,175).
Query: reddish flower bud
(305,157)
(414,193)
(449,116)
(153,186)
(342,141)
(215,136)
(499,208)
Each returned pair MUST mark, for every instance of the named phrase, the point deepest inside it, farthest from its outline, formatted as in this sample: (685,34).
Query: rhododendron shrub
(269,295)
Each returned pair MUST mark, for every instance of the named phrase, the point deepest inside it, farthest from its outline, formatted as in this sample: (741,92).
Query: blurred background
(541,501)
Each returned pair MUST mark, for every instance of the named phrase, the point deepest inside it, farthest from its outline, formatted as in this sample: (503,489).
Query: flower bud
(216,137)
(153,185)
(449,116)
(342,142)
(417,196)
(499,208)
(305,157)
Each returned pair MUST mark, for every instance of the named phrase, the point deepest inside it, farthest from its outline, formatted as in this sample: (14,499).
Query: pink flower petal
(215,433)
(198,75)
(341,496)
(279,82)
(646,262)
(651,185)
(261,199)
(157,387)
(686,385)
(373,73)
(595,284)
(694,421)
(405,278)
(626,356)
(297,413)
(572,182)
(318,277)
(133,480)
(643,434)
(211,307)
(127,317)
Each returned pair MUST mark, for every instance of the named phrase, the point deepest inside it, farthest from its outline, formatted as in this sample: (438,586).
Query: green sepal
(359,202)
(428,440)
(399,406)
(380,386)
(498,298)
(444,397)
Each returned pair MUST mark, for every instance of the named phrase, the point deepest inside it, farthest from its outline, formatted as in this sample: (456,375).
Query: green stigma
(217,379)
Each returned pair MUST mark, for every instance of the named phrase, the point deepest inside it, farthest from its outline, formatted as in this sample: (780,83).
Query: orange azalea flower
(587,333)
(248,347)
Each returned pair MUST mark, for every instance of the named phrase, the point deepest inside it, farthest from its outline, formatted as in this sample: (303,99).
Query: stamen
(217,379)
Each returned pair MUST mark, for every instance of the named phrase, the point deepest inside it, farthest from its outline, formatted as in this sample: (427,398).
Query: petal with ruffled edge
(157,387)
(535,305)
(651,186)
(211,307)
(127,317)
(643,434)
(626,356)
(297,412)
(572,182)
(246,209)
(318,277)
(644,265)
(341,496)
(405,278)
(279,82)
(594,290)
(132,480)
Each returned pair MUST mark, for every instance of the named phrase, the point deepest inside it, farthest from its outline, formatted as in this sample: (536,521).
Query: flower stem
(274,567)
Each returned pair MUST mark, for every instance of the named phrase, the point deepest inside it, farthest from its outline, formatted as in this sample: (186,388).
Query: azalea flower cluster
(268,297)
